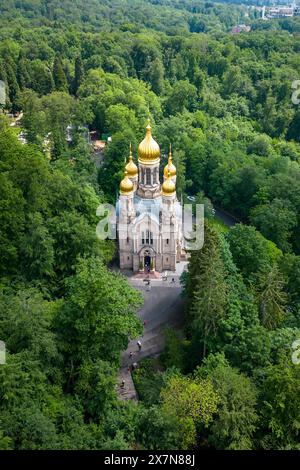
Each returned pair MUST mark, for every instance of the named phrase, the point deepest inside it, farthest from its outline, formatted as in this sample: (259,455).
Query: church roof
(148,151)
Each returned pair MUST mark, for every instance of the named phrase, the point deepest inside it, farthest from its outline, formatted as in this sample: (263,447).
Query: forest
(224,101)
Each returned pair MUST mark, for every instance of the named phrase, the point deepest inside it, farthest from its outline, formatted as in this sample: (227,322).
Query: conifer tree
(3,78)
(13,87)
(23,77)
(209,289)
(59,75)
(78,75)
(272,298)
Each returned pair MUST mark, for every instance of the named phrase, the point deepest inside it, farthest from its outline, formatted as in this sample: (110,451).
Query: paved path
(227,218)
(163,307)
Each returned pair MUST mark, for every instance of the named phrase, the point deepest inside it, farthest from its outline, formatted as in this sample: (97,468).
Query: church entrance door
(147,263)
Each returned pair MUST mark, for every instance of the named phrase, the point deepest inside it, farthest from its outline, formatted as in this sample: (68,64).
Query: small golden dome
(168,186)
(131,167)
(170,167)
(148,151)
(126,185)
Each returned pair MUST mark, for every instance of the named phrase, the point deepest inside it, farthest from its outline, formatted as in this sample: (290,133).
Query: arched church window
(148,176)
(149,237)
(155,176)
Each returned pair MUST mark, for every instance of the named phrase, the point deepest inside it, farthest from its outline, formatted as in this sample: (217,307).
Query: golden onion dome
(168,186)
(148,151)
(170,167)
(131,167)
(126,185)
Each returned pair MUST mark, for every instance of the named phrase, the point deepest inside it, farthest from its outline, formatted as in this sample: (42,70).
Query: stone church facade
(148,213)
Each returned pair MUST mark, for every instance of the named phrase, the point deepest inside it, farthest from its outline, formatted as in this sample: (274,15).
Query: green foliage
(94,387)
(237,418)
(206,290)
(174,354)
(78,75)
(158,430)
(208,206)
(26,320)
(53,395)
(280,411)
(148,380)
(275,221)
(290,267)
(59,76)
(5,442)
(224,102)
(100,306)
(183,96)
(192,401)
(250,250)
(272,298)
(48,218)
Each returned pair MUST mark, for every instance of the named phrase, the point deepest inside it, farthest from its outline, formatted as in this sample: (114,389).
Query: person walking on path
(139,345)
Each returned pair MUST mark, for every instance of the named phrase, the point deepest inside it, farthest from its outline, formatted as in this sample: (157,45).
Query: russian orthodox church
(149,214)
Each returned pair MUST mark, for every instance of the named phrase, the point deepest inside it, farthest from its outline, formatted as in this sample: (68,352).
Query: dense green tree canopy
(226,380)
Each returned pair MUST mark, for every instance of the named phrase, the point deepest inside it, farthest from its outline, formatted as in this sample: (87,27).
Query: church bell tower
(149,159)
